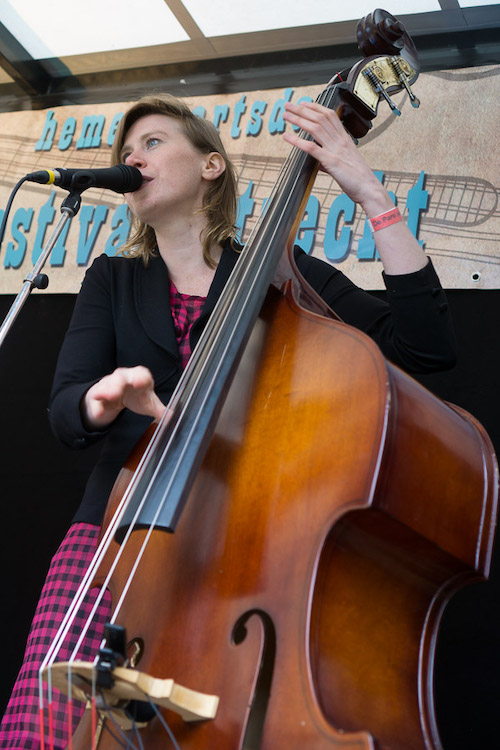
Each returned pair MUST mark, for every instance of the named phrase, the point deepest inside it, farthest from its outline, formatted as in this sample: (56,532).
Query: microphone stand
(69,208)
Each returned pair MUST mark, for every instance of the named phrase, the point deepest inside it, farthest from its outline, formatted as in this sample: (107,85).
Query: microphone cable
(8,207)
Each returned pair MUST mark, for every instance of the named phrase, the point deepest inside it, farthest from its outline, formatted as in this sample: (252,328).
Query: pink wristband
(392,216)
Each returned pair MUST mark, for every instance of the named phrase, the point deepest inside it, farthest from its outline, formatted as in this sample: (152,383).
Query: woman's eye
(152,142)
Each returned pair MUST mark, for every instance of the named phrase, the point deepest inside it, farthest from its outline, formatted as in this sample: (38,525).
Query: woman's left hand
(337,154)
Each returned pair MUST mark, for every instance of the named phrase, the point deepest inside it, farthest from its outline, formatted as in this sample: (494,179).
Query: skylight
(60,28)
(221,17)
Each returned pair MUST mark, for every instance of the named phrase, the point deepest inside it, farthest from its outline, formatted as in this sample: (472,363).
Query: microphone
(120,178)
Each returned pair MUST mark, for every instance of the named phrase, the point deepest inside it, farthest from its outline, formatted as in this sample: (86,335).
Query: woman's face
(172,170)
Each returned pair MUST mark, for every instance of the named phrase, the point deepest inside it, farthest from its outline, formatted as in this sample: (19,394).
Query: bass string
(183,395)
(243,270)
(191,384)
(86,582)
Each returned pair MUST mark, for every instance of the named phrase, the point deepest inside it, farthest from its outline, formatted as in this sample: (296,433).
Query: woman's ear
(214,166)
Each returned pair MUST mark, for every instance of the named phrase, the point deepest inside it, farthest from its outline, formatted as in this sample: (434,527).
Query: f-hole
(252,739)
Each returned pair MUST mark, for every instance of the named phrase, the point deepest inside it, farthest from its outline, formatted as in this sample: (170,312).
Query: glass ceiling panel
(59,28)
(222,17)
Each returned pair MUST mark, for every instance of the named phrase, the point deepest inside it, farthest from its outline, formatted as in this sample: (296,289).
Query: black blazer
(122,318)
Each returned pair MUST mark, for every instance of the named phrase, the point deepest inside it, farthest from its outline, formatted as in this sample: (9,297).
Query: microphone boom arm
(69,209)
(121,178)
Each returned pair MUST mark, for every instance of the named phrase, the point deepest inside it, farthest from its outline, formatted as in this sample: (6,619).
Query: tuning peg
(371,76)
(397,64)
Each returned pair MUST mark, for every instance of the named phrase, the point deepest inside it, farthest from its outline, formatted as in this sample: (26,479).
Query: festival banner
(440,162)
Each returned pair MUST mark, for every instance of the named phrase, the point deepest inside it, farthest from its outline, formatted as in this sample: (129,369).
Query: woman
(139,315)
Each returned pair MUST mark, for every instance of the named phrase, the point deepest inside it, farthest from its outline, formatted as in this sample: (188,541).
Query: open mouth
(145,180)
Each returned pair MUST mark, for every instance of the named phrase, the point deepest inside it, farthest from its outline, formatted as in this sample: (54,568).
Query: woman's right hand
(125,388)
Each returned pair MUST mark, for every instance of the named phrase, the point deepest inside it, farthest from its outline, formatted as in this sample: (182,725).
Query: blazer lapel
(151,292)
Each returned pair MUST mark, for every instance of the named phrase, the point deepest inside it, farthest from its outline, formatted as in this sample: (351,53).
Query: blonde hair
(219,202)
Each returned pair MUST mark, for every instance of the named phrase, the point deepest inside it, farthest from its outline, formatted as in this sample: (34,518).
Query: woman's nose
(135,159)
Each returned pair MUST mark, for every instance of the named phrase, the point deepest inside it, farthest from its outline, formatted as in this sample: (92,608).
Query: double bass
(281,546)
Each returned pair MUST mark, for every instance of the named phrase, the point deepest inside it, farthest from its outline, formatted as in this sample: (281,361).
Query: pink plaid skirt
(20,727)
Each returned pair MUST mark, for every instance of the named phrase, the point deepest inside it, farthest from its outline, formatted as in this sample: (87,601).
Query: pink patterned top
(186,308)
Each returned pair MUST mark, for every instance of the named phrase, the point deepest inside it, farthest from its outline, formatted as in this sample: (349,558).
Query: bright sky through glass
(220,17)
(56,28)
(476,3)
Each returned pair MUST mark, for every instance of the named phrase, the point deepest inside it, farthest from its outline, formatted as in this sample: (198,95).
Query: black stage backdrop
(41,483)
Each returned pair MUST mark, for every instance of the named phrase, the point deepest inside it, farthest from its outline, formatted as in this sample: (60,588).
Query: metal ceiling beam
(190,26)
(27,72)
